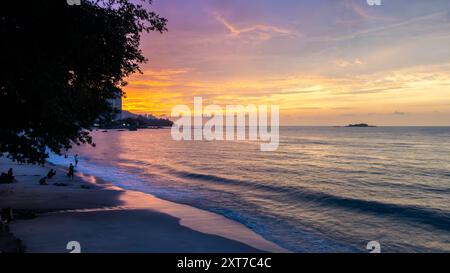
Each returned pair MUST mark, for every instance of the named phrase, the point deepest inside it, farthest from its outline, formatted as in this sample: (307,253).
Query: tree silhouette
(60,64)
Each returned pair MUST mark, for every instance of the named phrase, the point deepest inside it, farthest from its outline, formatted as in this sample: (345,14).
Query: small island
(360,125)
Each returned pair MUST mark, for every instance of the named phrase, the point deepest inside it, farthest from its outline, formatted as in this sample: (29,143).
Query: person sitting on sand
(4,179)
(51,174)
(7,178)
(43,181)
(71,171)
(6,215)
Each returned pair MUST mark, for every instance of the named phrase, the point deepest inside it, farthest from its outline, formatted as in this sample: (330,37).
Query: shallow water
(324,190)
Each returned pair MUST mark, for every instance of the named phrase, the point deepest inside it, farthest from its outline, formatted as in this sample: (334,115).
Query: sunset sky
(323,62)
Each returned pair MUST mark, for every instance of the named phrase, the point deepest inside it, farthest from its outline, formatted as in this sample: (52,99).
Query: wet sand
(106,219)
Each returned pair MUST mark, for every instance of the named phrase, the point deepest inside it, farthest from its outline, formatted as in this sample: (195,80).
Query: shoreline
(105,218)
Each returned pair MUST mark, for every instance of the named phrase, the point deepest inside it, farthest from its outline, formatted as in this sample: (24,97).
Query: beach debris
(86,187)
(60,184)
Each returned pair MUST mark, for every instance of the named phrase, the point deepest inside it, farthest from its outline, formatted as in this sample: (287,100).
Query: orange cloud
(264,32)
(302,93)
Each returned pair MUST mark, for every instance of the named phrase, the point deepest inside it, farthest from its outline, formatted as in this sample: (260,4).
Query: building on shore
(116,104)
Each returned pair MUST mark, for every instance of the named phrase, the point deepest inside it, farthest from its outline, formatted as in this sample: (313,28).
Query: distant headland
(132,122)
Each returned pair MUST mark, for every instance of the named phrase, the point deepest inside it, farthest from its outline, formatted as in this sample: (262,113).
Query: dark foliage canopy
(59,66)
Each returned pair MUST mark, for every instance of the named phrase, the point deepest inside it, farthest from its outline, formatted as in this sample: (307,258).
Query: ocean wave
(433,217)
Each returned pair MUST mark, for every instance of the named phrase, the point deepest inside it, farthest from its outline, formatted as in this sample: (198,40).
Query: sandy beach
(106,219)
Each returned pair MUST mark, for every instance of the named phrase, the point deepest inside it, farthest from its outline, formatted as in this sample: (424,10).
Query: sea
(326,189)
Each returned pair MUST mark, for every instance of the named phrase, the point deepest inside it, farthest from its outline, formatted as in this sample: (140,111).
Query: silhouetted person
(51,174)
(6,215)
(7,178)
(76,160)
(71,171)
(43,181)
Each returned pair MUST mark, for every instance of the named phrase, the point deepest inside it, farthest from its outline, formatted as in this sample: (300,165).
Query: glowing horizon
(326,63)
